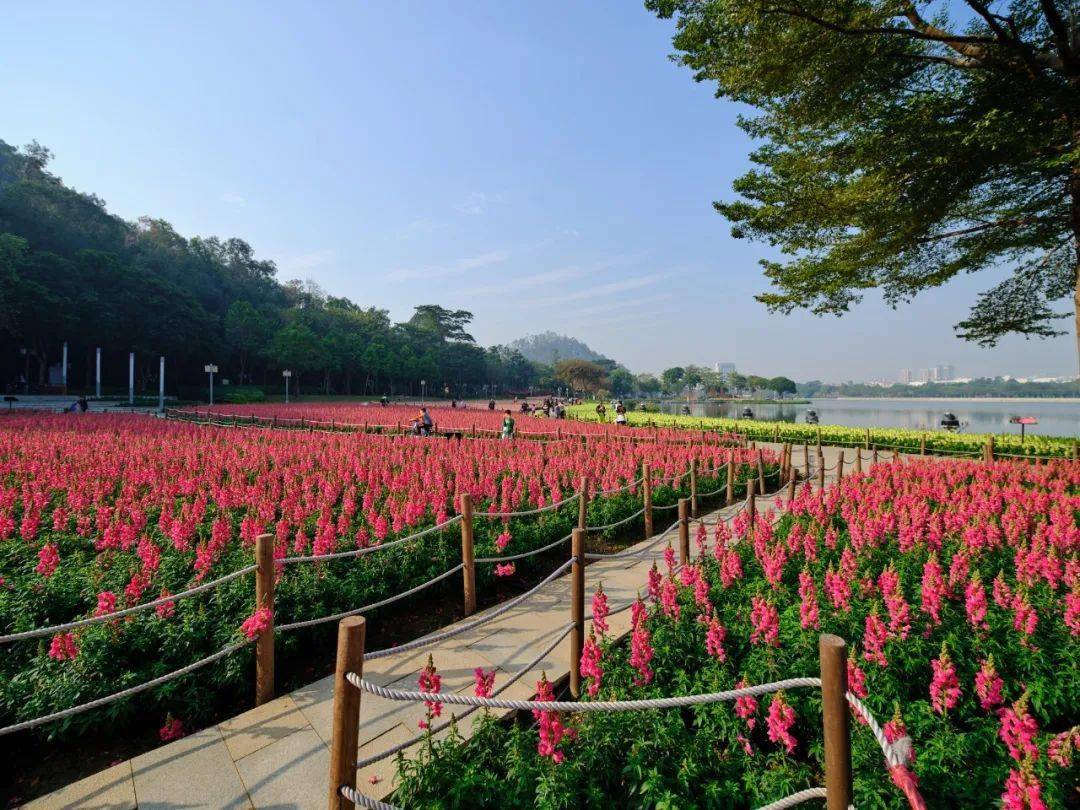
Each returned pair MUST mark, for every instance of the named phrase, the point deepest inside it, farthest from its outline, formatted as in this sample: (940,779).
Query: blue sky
(541,164)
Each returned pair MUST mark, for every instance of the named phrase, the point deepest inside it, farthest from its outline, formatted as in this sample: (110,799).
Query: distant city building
(906,376)
(726,369)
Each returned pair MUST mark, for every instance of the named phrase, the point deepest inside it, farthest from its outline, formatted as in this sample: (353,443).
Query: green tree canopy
(904,142)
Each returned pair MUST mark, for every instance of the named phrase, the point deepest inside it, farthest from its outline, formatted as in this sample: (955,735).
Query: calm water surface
(976,416)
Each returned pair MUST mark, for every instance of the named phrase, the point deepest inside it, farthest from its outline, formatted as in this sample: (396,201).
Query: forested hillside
(550,347)
(70,270)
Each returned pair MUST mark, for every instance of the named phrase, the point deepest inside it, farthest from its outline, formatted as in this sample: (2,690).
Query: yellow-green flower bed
(935,441)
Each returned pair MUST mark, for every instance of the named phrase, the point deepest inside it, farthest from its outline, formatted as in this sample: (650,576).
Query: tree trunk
(1074,215)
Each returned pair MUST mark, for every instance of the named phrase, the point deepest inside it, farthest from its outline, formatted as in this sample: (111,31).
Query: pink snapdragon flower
(485,682)
(63,647)
(430,681)
(808,608)
(669,599)
(714,639)
(591,667)
(172,730)
(1019,730)
(641,653)
(933,589)
(502,541)
(1061,747)
(600,610)
(48,560)
(549,726)
(106,603)
(988,685)
(746,707)
(779,722)
(257,623)
(766,623)
(975,603)
(874,637)
(856,679)
(1022,790)
(654,583)
(944,688)
(505,569)
(165,610)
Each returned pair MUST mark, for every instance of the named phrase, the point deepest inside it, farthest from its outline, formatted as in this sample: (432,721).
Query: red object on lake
(1024,420)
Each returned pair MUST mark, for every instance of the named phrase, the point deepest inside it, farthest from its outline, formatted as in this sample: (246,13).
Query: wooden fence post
(343,744)
(684,531)
(751,500)
(730,499)
(791,489)
(990,448)
(806,459)
(819,437)
(646,498)
(922,445)
(874,458)
(835,722)
(840,467)
(468,558)
(583,503)
(858,461)
(867,442)
(264,598)
(760,473)
(821,468)
(577,609)
(693,488)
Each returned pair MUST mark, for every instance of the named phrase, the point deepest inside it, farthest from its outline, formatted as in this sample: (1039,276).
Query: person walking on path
(508,425)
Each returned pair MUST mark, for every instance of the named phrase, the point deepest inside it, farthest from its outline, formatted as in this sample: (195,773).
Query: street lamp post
(287,375)
(423,391)
(210,368)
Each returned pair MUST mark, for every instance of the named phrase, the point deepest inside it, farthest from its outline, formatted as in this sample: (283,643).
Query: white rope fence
(117,614)
(462,628)
(528,512)
(102,701)
(529,667)
(523,554)
(374,605)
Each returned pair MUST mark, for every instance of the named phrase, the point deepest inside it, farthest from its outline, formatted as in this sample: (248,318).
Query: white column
(161,385)
(97,373)
(63,368)
(131,378)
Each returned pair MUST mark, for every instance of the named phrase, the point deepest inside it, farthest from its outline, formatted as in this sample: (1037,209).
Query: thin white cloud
(548,276)
(477,202)
(233,198)
(611,288)
(463,265)
(306,262)
(631,303)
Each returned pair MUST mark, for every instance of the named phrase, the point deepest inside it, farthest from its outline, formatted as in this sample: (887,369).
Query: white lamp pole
(423,391)
(97,374)
(131,378)
(210,368)
(161,384)
(286,374)
(63,368)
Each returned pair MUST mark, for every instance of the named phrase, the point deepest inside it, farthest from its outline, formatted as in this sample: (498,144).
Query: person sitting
(508,425)
(426,423)
(491,405)
(384,401)
(84,406)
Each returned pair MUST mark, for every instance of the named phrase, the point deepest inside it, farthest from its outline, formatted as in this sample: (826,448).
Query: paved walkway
(277,755)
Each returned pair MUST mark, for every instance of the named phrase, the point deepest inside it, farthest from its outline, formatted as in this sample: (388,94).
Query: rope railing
(528,512)
(103,701)
(373,606)
(522,555)
(607,526)
(118,614)
(427,641)
(504,686)
(358,552)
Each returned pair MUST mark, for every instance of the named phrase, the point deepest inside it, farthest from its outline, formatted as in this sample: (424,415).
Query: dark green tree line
(71,271)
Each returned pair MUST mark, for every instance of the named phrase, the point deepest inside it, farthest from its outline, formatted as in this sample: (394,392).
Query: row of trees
(593,377)
(71,271)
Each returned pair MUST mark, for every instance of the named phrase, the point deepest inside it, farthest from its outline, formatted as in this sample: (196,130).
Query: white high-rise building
(906,376)
(724,368)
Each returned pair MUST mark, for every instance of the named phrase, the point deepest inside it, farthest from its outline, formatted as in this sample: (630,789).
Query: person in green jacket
(508,425)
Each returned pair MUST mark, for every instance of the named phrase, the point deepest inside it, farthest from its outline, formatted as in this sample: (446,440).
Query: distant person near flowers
(508,425)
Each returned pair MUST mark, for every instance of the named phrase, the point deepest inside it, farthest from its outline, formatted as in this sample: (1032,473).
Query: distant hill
(550,347)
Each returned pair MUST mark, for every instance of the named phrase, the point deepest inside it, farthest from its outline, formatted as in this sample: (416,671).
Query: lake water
(976,416)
